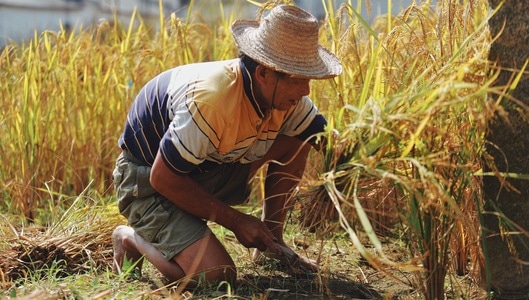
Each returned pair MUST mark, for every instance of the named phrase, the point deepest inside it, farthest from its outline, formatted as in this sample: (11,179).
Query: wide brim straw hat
(286,40)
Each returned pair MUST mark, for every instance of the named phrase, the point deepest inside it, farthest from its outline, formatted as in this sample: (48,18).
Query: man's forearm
(187,194)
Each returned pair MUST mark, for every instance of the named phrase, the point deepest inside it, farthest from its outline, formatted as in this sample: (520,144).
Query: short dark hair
(248,62)
(251,64)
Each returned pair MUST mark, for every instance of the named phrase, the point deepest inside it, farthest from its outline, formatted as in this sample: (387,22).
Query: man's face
(280,91)
(289,91)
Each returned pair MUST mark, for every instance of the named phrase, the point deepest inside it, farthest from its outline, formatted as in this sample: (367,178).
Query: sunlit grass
(412,120)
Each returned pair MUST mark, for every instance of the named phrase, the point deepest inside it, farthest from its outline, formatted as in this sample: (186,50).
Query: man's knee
(290,145)
(293,155)
(288,149)
(212,275)
(207,259)
(226,273)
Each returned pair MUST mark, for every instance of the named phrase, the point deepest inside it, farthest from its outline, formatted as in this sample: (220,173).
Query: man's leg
(205,259)
(159,220)
(281,180)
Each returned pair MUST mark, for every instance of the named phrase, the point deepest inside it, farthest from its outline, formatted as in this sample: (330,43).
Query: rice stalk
(66,94)
(416,121)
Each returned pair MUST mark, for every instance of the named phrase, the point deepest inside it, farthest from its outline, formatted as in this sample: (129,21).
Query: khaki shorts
(157,219)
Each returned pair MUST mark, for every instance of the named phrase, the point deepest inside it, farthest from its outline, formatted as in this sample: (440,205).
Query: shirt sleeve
(304,120)
(316,126)
(192,135)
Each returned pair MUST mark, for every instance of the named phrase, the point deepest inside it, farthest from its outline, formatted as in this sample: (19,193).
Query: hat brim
(320,66)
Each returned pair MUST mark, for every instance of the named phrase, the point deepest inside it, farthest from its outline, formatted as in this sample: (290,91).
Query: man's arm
(187,194)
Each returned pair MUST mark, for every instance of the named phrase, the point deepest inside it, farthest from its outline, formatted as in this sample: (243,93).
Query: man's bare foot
(122,241)
(119,249)
(296,263)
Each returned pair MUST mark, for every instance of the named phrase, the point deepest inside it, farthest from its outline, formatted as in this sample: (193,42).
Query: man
(197,134)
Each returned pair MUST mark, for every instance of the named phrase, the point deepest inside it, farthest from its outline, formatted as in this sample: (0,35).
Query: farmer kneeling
(197,134)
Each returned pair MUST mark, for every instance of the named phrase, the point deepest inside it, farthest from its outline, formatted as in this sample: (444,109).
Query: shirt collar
(248,89)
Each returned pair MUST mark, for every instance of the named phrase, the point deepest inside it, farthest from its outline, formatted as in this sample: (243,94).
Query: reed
(413,114)
(66,95)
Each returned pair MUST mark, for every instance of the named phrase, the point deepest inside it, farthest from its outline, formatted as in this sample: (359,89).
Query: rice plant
(411,129)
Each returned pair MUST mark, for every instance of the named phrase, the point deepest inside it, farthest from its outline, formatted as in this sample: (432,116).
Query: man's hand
(253,233)
(249,230)
(288,257)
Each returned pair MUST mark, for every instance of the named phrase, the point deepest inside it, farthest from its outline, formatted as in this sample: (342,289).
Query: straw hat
(287,41)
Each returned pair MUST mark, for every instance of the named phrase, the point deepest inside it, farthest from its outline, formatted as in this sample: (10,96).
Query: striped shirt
(205,113)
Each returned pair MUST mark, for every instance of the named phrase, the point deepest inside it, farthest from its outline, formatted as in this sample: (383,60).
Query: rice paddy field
(390,211)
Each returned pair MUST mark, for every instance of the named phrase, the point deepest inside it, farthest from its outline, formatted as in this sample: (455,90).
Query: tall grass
(65,96)
(413,115)
(410,108)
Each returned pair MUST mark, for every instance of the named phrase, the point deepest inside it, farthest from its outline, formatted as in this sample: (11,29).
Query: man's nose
(304,88)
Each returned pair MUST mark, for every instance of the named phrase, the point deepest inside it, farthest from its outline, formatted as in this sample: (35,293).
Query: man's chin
(283,108)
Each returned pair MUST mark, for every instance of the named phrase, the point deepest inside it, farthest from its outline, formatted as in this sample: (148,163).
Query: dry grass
(79,241)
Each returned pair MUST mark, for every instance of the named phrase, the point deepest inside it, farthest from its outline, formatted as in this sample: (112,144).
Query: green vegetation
(411,109)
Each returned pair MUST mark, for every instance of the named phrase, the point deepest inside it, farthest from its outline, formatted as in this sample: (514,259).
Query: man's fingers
(271,243)
(288,253)
(274,247)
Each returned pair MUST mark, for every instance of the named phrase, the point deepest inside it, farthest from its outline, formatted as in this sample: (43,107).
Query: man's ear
(261,73)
